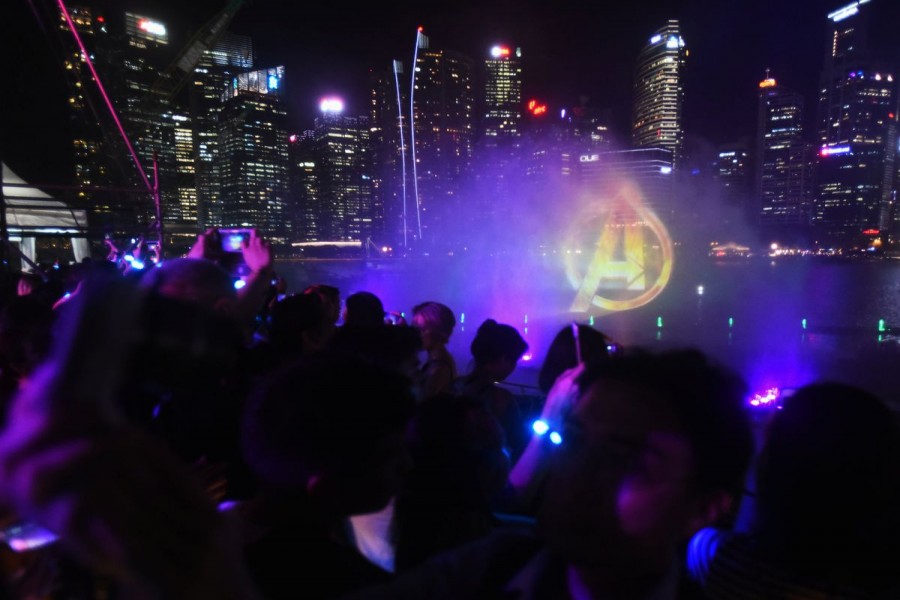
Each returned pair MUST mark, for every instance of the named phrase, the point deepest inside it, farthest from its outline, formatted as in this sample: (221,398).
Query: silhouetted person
(562,354)
(824,518)
(459,469)
(496,351)
(363,309)
(651,451)
(325,438)
(436,322)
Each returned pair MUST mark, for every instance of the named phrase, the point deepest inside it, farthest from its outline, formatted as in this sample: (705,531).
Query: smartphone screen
(25,536)
(233,239)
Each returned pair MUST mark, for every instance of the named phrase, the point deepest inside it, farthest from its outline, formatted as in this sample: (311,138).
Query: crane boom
(178,72)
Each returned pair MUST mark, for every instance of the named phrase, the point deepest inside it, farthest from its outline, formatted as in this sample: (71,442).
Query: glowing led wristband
(542,428)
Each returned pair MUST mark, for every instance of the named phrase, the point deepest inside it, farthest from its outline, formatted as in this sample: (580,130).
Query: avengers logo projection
(619,254)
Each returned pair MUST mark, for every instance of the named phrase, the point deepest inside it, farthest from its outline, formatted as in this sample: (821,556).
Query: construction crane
(179,71)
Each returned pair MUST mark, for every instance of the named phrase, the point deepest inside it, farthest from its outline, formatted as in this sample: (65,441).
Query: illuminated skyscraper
(344,206)
(128,59)
(185,169)
(732,171)
(232,54)
(443,127)
(91,168)
(499,150)
(857,132)
(502,117)
(253,154)
(304,188)
(659,92)
(389,138)
(782,184)
(147,112)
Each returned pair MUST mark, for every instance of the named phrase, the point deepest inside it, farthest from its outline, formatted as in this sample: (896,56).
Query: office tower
(185,169)
(90,168)
(499,150)
(441,142)
(231,55)
(650,169)
(304,188)
(857,132)
(253,154)
(782,177)
(147,111)
(732,172)
(659,92)
(502,109)
(101,160)
(338,148)
(389,139)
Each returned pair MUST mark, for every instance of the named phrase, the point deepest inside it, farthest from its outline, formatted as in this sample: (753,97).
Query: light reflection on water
(749,316)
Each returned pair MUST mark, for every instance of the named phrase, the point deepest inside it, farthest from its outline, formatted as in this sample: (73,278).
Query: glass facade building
(253,154)
(856,133)
(781,174)
(659,92)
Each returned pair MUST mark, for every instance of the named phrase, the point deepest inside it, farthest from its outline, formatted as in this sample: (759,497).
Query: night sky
(570,49)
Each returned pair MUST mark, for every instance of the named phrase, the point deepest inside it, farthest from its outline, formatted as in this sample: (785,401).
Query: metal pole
(412,129)
(4,229)
(397,67)
(158,204)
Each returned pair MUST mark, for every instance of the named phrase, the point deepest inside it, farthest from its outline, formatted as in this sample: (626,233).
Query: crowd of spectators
(183,428)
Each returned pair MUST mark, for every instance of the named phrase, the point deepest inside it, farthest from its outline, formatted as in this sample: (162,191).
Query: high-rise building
(90,169)
(502,117)
(147,112)
(499,150)
(101,159)
(217,68)
(649,169)
(441,141)
(732,172)
(857,132)
(304,188)
(253,154)
(389,139)
(185,170)
(782,177)
(344,205)
(659,92)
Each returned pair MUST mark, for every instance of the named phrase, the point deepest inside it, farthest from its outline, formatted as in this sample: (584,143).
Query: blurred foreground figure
(821,515)
(120,502)
(651,450)
(325,438)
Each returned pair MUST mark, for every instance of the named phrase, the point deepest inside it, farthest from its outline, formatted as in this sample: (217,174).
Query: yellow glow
(768,82)
(633,254)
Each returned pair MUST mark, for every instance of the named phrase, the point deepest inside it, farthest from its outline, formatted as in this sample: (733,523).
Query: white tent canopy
(31,213)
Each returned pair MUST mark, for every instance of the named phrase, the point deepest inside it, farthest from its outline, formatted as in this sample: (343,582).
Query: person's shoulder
(474,570)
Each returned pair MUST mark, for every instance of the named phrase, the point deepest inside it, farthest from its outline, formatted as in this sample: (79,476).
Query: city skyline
(568,51)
